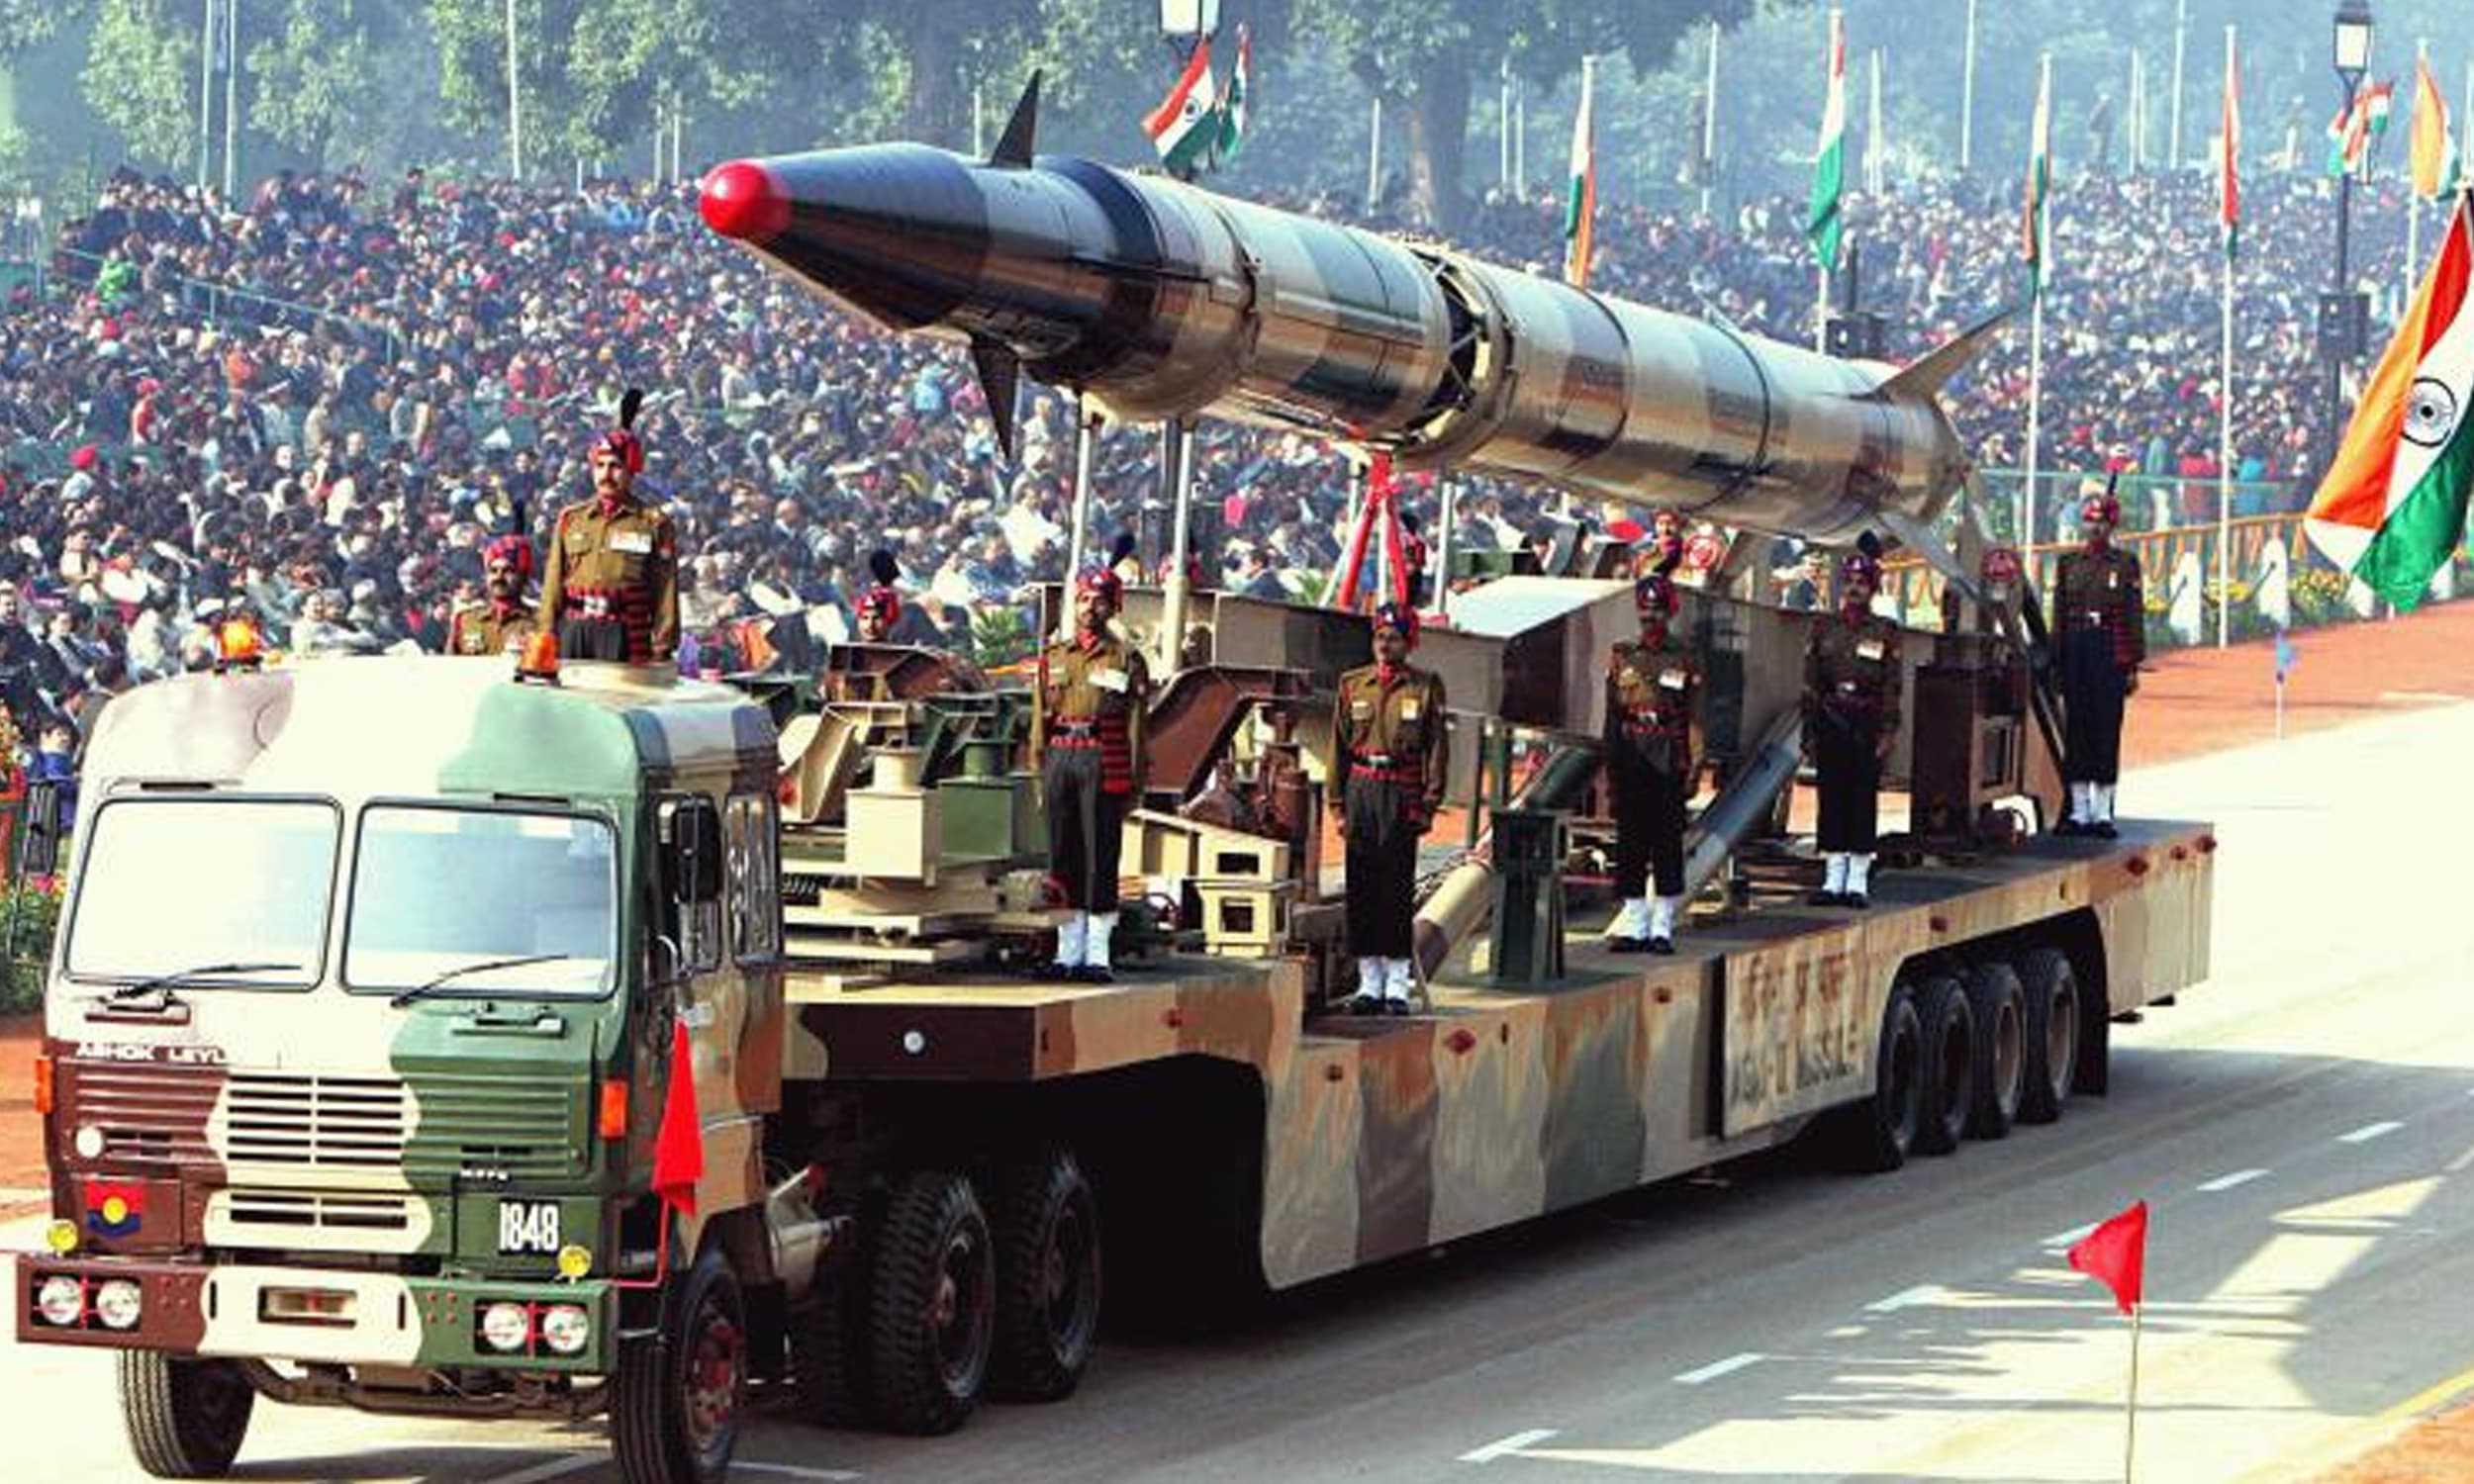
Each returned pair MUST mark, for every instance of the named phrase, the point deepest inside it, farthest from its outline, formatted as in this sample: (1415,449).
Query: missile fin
(1000,376)
(1919,538)
(1925,377)
(1014,147)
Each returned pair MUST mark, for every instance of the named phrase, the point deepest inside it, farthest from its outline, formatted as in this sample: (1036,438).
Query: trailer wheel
(680,1399)
(2051,1029)
(2001,1007)
(185,1416)
(1950,1063)
(931,1305)
(829,1352)
(1882,1128)
(1047,1277)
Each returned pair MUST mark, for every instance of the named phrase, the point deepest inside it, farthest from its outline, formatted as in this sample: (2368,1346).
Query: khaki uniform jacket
(1653,700)
(1400,718)
(1109,684)
(2102,590)
(630,558)
(1854,664)
(481,628)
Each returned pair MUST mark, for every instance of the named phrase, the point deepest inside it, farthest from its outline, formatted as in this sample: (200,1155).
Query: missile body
(1163,300)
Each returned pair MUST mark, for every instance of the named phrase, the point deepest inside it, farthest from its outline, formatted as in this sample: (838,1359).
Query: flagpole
(1968,102)
(2035,322)
(2138,113)
(1086,442)
(1503,130)
(1709,119)
(2414,198)
(2230,145)
(1875,168)
(2129,1430)
(1375,154)
(2173,135)
(515,105)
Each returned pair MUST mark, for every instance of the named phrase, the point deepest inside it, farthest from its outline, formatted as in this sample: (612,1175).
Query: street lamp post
(2344,315)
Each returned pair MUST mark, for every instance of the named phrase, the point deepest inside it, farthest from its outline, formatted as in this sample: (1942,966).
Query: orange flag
(2115,1255)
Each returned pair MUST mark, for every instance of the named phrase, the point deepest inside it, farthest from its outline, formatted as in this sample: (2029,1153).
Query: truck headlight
(60,1300)
(506,1327)
(117,1304)
(565,1328)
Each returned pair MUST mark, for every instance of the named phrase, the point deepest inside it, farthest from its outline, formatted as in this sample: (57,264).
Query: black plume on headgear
(1869,544)
(1667,564)
(881,567)
(1120,549)
(630,404)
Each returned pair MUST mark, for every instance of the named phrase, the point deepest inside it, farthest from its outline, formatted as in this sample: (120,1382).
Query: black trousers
(592,639)
(1649,827)
(1844,743)
(1086,827)
(2091,704)
(1382,862)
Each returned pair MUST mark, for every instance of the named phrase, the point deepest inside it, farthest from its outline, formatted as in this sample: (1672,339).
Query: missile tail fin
(1014,147)
(1919,537)
(1927,376)
(1001,378)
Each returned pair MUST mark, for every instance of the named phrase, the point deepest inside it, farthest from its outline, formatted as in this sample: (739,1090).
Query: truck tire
(1882,1128)
(185,1416)
(1950,1063)
(828,1353)
(1047,1277)
(2051,1033)
(680,1399)
(2001,1007)
(931,1302)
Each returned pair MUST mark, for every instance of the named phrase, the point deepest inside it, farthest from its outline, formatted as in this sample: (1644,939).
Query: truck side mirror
(691,839)
(38,833)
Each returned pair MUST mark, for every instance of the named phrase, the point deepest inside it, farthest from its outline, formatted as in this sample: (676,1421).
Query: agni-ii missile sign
(1162,300)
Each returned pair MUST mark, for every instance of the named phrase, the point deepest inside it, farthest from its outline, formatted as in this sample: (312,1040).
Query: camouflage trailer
(359,1055)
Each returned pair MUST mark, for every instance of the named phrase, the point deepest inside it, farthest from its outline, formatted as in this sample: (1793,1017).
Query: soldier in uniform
(1652,687)
(1389,755)
(502,622)
(2100,627)
(1852,682)
(1088,719)
(611,588)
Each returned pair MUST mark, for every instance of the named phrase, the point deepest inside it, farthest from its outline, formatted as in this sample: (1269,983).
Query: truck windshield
(484,903)
(169,883)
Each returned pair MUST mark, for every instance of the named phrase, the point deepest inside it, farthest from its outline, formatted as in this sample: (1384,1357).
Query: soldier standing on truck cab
(1088,717)
(611,588)
(1852,680)
(2100,624)
(502,622)
(1389,755)
(1652,690)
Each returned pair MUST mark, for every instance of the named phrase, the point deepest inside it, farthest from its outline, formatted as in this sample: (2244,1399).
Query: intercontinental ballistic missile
(1160,301)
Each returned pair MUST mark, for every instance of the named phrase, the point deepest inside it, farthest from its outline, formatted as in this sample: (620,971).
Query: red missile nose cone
(744,203)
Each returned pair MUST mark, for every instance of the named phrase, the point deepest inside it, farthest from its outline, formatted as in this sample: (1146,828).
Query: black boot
(1664,947)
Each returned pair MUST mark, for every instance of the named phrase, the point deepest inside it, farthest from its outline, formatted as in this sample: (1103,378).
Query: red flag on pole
(2115,1255)
(679,1147)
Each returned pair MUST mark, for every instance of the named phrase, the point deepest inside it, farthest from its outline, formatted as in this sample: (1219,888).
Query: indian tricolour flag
(1234,104)
(2229,169)
(1580,204)
(2040,183)
(1826,225)
(1186,125)
(2393,505)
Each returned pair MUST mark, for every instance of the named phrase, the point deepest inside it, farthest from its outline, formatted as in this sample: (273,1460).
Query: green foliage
(31,23)
(320,71)
(140,79)
(999,636)
(30,913)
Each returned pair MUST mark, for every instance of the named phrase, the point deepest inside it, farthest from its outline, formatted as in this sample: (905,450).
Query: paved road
(2300,1128)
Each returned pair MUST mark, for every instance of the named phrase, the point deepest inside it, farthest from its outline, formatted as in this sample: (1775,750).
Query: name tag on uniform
(632,542)
(1109,679)
(1360,707)
(2112,580)
(1869,649)
(1674,679)
(1408,711)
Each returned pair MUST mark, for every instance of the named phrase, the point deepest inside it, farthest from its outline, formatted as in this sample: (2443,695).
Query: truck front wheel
(1047,1277)
(932,1301)
(185,1416)
(676,1406)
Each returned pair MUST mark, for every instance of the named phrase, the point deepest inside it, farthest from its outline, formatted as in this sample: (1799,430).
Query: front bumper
(315,1315)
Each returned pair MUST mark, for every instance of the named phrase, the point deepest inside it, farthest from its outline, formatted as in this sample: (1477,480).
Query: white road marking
(2369,1132)
(2228,1182)
(791,1471)
(2070,1238)
(551,1469)
(1905,1298)
(1505,1446)
(1717,1369)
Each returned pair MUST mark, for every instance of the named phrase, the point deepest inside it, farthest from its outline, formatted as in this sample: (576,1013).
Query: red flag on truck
(2115,1255)
(679,1148)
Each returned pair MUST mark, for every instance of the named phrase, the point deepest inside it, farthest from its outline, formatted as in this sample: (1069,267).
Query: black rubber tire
(1881,1130)
(2001,1007)
(659,1433)
(830,1352)
(932,1301)
(2051,1029)
(1048,1277)
(1950,1063)
(186,1417)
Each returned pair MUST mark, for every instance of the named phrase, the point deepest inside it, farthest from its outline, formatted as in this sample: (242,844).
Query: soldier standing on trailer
(1652,687)
(502,622)
(1852,680)
(1088,714)
(611,591)
(2100,626)
(1388,757)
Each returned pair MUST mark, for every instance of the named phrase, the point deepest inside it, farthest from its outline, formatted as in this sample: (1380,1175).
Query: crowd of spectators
(317,404)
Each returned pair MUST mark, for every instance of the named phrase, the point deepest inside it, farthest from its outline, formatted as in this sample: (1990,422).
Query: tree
(140,73)
(31,23)
(321,72)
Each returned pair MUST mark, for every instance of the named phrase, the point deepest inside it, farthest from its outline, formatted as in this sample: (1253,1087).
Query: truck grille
(329,1122)
(306,1209)
(146,1112)
(472,1124)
